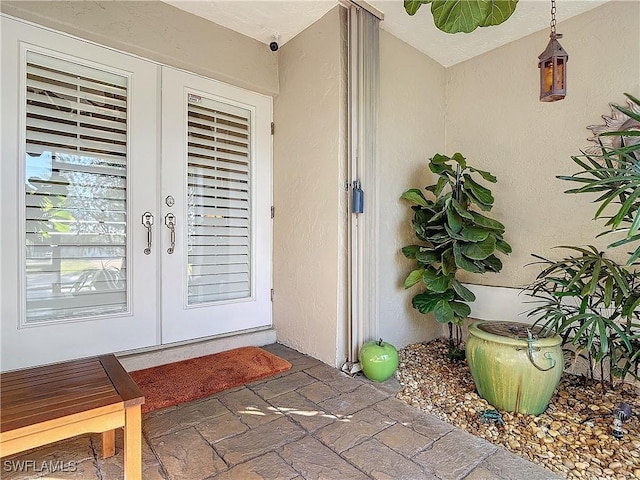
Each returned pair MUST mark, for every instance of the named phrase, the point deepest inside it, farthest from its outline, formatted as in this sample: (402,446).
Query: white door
(79,155)
(216,184)
(95,257)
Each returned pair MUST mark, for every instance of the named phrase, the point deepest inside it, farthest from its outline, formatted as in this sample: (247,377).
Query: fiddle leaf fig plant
(464,16)
(454,236)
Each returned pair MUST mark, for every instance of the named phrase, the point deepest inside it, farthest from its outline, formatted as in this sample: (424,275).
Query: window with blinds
(75,190)
(218,201)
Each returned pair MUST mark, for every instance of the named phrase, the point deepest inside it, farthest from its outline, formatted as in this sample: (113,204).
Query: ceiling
(261,19)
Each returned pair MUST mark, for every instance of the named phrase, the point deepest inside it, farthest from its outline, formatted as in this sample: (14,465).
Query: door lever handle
(147,221)
(170,222)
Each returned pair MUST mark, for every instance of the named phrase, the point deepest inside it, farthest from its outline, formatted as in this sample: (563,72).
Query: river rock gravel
(572,437)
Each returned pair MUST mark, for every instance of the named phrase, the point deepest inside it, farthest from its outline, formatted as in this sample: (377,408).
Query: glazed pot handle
(547,355)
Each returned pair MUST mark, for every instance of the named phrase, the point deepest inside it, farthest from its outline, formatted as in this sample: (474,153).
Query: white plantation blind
(219,198)
(75,190)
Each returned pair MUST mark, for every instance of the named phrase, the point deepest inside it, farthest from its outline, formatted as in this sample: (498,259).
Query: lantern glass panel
(559,81)
(547,72)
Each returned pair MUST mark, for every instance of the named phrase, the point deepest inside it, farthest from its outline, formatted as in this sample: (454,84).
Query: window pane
(75,190)
(218,203)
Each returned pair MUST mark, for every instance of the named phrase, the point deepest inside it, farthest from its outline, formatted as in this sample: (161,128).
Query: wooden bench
(45,404)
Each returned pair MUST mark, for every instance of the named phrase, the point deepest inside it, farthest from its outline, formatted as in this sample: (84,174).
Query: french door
(216,184)
(130,218)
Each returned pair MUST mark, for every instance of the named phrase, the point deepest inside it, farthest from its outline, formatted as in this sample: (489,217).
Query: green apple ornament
(379,360)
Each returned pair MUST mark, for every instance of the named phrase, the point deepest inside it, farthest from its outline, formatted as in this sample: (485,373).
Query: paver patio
(311,422)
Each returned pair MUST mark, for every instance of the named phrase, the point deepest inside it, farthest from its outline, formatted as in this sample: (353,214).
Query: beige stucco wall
(309,307)
(494,118)
(411,129)
(157,31)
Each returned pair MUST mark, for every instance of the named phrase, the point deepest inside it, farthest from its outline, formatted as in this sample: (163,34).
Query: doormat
(188,380)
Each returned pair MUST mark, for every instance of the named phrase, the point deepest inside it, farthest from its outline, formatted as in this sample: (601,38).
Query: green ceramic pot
(513,372)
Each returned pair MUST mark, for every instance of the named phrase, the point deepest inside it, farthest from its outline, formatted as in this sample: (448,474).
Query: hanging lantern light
(553,65)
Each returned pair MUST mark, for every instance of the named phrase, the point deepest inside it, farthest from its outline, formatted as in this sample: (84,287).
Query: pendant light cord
(553,19)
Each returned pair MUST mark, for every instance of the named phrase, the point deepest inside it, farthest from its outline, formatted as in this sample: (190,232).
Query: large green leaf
(413,278)
(479,250)
(439,159)
(465,15)
(460,160)
(443,311)
(438,216)
(453,234)
(434,282)
(474,234)
(412,6)
(416,196)
(436,188)
(455,16)
(493,263)
(473,199)
(481,193)
(410,251)
(486,222)
(427,256)
(454,220)
(441,169)
(461,210)
(460,309)
(484,174)
(425,302)
(501,10)
(466,294)
(423,214)
(448,262)
(503,247)
(463,262)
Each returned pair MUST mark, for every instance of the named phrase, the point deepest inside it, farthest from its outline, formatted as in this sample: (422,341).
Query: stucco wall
(160,32)
(411,130)
(494,118)
(309,305)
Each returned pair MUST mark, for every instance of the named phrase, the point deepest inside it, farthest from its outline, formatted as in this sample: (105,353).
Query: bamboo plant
(588,299)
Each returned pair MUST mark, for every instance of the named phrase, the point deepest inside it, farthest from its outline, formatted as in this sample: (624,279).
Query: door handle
(170,222)
(147,221)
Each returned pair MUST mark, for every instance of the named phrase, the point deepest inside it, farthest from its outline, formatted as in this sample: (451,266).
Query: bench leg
(133,443)
(108,443)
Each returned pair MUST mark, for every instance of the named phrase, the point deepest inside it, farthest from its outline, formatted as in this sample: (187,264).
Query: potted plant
(453,236)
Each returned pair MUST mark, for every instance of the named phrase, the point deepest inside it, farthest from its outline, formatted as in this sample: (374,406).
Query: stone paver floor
(311,422)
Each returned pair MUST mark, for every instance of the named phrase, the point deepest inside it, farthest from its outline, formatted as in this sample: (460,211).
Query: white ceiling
(260,19)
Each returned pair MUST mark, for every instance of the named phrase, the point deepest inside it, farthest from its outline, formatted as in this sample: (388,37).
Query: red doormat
(190,379)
